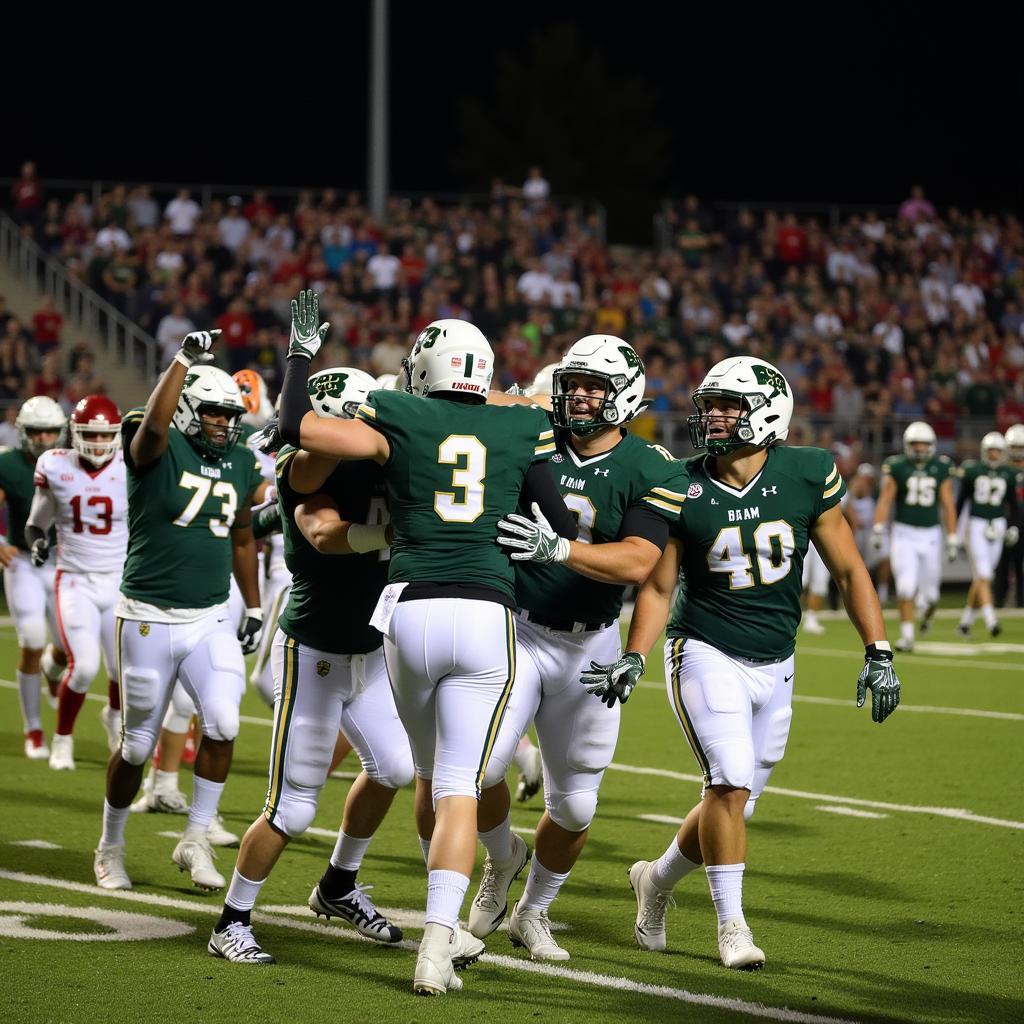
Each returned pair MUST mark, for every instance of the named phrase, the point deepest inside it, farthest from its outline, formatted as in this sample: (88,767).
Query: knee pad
(31,633)
(141,687)
(137,745)
(395,771)
(497,769)
(309,748)
(749,808)
(294,813)
(179,711)
(83,672)
(220,711)
(221,720)
(572,811)
(732,765)
(776,737)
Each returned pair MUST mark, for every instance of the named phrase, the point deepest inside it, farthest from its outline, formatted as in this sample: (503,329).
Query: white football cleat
(108,864)
(218,834)
(238,944)
(35,745)
(531,776)
(532,930)
(490,905)
(435,973)
(111,720)
(736,946)
(904,645)
(813,626)
(195,856)
(62,753)
(162,801)
(466,949)
(651,904)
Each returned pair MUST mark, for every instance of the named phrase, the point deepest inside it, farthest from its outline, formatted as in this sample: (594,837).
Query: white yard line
(1008,716)
(855,657)
(850,812)
(619,984)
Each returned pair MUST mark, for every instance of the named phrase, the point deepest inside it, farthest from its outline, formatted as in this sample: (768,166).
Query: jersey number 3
(465,502)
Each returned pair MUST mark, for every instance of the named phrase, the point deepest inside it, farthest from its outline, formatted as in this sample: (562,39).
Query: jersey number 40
(774,544)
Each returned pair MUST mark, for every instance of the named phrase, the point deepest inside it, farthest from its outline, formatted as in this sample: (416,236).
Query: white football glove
(952,546)
(195,348)
(307,332)
(1011,537)
(532,541)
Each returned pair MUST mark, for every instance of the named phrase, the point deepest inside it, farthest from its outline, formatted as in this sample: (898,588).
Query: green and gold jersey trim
(499,709)
(833,482)
(118,630)
(282,724)
(676,693)
(666,500)
(545,443)
(366,412)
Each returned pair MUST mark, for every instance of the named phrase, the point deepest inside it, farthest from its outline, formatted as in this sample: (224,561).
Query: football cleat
(195,856)
(490,905)
(35,745)
(435,973)
(531,777)
(651,905)
(218,834)
(108,864)
(532,930)
(62,754)
(111,720)
(926,624)
(904,645)
(163,801)
(995,629)
(238,944)
(466,949)
(964,630)
(358,910)
(814,627)
(736,946)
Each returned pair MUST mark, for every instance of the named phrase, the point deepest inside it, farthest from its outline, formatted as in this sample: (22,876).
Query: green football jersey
(917,488)
(454,471)
(599,491)
(743,552)
(988,488)
(180,512)
(17,483)
(333,596)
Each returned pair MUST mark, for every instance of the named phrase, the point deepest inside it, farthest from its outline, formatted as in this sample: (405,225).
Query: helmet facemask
(603,417)
(201,440)
(99,453)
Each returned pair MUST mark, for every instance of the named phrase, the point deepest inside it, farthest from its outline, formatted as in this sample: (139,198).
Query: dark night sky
(759,106)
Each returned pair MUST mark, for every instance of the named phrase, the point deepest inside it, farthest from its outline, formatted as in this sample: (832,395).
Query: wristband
(880,650)
(254,613)
(180,357)
(362,538)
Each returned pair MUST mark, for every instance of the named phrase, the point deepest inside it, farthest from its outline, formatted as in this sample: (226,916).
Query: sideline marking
(124,926)
(619,984)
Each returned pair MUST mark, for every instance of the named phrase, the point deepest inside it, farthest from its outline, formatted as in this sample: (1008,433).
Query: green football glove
(615,681)
(307,332)
(532,541)
(879,677)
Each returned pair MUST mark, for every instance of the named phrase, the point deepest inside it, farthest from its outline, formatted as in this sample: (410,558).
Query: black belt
(566,625)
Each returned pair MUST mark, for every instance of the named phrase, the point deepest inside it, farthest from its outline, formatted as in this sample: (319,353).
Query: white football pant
(984,551)
(916,558)
(30,598)
(816,575)
(86,602)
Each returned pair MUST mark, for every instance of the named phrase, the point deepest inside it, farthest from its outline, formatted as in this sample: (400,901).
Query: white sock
(907,631)
(425,848)
(968,617)
(523,753)
(670,867)
(114,820)
(883,592)
(445,892)
(989,614)
(28,692)
(726,883)
(349,851)
(498,842)
(205,797)
(541,886)
(165,782)
(811,618)
(242,892)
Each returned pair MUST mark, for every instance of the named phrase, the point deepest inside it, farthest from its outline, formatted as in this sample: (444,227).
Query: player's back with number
(917,487)
(987,488)
(454,471)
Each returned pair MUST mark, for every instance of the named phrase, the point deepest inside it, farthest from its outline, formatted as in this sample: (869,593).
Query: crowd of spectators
(874,322)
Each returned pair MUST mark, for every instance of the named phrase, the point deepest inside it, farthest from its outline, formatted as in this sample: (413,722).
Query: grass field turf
(884,876)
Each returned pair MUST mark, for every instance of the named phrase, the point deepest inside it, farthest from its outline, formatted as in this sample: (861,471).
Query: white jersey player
(84,491)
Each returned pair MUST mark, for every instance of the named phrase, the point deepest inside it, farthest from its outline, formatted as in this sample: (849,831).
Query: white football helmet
(765,396)
(253,389)
(543,383)
(450,356)
(616,363)
(918,433)
(388,382)
(1014,438)
(40,413)
(209,389)
(993,449)
(339,391)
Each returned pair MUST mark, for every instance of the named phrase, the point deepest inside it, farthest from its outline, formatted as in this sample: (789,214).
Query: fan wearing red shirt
(46,325)
(792,241)
(237,330)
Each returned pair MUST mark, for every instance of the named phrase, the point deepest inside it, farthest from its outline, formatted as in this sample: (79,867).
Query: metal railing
(123,340)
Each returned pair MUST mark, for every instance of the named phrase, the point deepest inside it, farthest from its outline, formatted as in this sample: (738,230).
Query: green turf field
(884,876)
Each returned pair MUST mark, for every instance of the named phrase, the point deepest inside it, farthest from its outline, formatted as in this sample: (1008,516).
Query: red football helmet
(96,415)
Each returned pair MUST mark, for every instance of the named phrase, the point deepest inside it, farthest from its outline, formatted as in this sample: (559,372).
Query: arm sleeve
(294,398)
(640,521)
(41,515)
(539,486)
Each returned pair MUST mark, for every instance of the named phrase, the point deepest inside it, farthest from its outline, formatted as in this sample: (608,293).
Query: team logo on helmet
(143,629)
(324,384)
(323,667)
(770,377)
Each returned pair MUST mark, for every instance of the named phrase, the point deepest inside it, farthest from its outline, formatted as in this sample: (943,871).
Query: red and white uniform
(90,509)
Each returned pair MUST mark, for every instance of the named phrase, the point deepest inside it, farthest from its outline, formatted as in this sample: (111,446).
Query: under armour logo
(598,472)
(714,501)
(769,490)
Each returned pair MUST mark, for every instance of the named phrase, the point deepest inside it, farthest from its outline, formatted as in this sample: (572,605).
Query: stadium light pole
(377,162)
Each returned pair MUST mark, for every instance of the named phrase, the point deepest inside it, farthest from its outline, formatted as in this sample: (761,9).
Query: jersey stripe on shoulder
(832,475)
(283,459)
(664,492)
(545,449)
(366,412)
(666,506)
(829,491)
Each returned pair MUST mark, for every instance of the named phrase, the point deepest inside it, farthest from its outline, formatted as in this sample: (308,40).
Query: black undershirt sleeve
(645,523)
(539,486)
(294,398)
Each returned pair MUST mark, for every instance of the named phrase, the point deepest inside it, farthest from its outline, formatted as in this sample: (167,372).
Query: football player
(815,582)
(752,508)
(29,590)
(84,491)
(328,675)
(861,499)
(919,482)
(625,494)
(1013,556)
(990,486)
(189,525)
(453,466)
